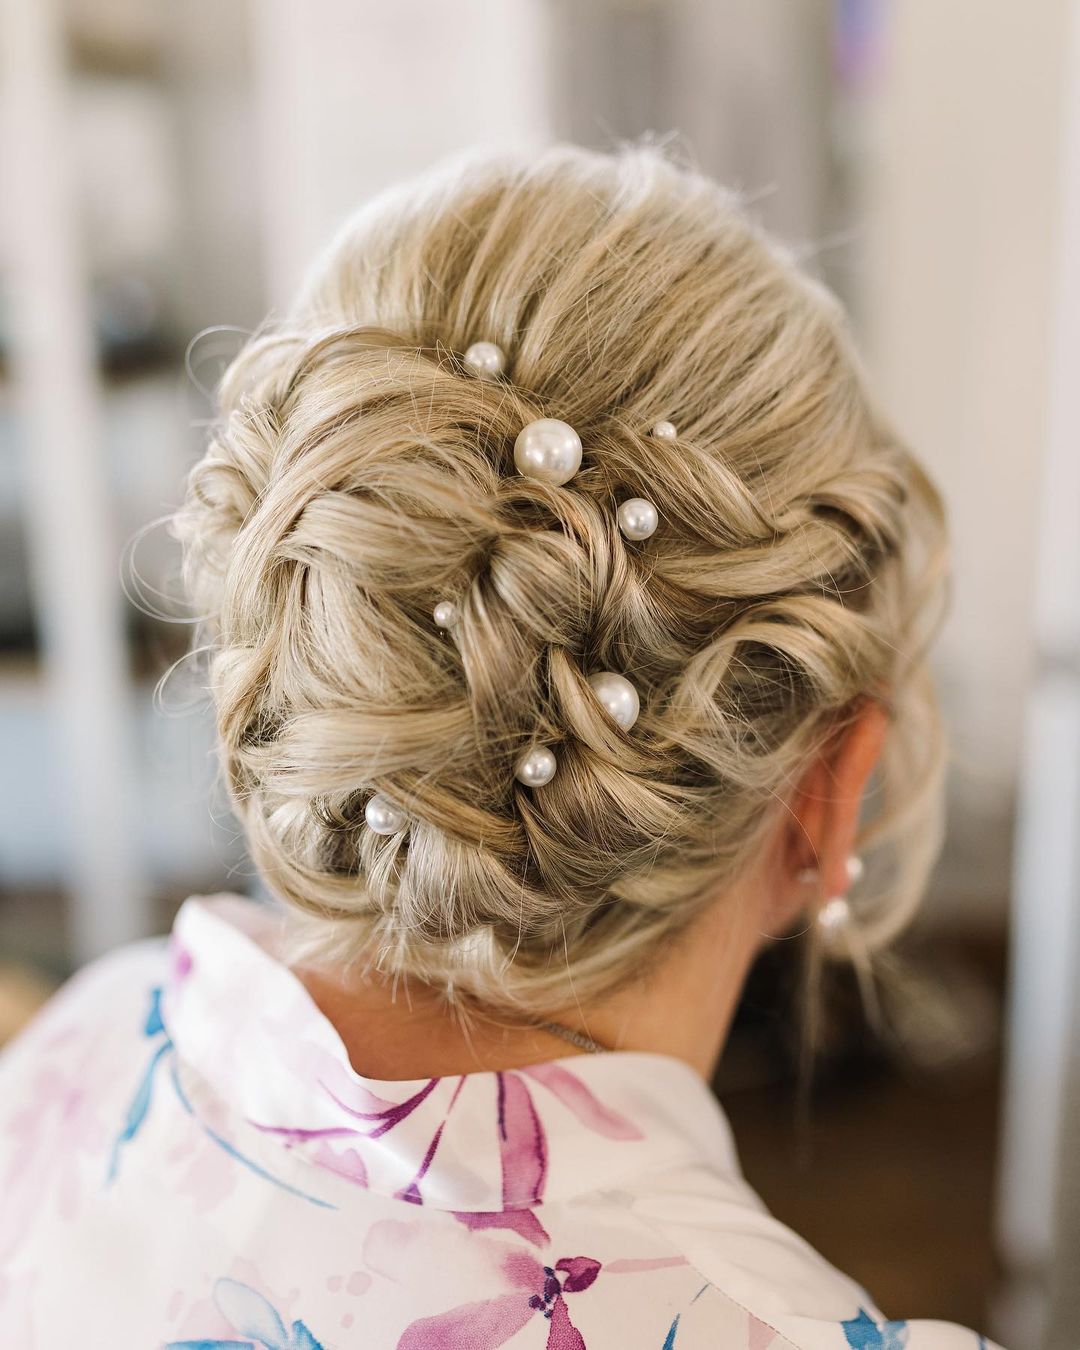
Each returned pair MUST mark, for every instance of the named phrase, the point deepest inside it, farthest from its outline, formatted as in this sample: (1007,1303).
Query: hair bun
(363,474)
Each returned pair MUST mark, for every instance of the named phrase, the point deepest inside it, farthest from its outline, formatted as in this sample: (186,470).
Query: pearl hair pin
(548,451)
(535,766)
(486,360)
(383,816)
(638,518)
(445,614)
(617,696)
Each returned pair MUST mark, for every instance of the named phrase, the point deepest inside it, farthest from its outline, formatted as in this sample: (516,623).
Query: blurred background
(169,169)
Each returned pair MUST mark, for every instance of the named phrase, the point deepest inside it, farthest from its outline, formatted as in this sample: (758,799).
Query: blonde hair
(360,474)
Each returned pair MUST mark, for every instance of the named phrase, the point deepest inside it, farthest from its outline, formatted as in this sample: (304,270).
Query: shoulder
(104,1000)
(701,1324)
(752,1261)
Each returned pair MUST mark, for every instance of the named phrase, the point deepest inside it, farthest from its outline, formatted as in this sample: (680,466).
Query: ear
(823,821)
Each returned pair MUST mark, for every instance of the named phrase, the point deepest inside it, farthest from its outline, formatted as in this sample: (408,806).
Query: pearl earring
(548,450)
(638,518)
(618,697)
(486,360)
(835,916)
(383,817)
(832,918)
(806,876)
(664,431)
(536,766)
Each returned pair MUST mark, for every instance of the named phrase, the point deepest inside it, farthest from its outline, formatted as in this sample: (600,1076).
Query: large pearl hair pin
(618,697)
(536,766)
(486,360)
(638,518)
(548,450)
(383,816)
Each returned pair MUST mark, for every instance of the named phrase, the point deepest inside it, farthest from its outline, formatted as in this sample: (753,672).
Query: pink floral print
(189,1160)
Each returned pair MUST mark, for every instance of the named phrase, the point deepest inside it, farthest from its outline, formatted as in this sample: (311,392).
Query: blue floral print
(140,1105)
(551,1200)
(863,1333)
(254,1318)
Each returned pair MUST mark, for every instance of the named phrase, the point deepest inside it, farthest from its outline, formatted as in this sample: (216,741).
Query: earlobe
(827,806)
(850,767)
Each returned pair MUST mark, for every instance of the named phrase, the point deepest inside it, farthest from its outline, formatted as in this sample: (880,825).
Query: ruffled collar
(269,1076)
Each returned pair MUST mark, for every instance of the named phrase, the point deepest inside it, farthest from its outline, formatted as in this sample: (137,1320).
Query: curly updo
(360,474)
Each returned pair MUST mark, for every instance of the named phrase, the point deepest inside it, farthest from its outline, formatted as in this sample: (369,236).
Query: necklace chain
(577,1038)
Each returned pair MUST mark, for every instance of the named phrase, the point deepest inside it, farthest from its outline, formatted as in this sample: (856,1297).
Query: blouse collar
(257,1057)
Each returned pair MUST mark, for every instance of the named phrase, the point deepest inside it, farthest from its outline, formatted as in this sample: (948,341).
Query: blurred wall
(960,210)
(354,95)
(908,150)
(741,89)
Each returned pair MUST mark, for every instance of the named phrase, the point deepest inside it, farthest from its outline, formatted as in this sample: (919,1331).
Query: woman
(565,596)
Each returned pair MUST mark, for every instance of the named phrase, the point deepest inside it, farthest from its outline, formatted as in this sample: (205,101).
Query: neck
(685,1006)
(682,1008)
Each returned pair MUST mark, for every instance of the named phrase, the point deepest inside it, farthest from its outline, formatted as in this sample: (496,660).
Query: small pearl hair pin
(638,518)
(536,766)
(664,431)
(383,816)
(486,360)
(445,614)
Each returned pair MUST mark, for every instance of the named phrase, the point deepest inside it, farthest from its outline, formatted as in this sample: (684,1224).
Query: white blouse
(188,1159)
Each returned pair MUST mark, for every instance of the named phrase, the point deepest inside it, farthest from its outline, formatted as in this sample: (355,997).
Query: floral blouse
(188,1160)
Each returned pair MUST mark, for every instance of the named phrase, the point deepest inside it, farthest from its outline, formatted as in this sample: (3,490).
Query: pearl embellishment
(485,360)
(638,518)
(664,431)
(536,766)
(548,450)
(445,614)
(618,697)
(383,817)
(832,918)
